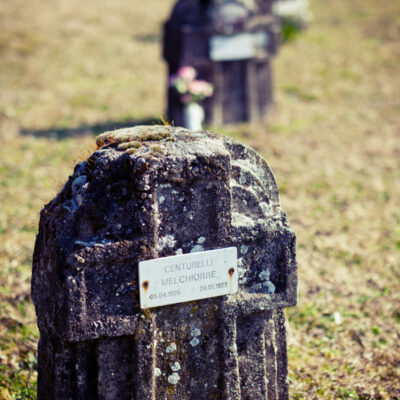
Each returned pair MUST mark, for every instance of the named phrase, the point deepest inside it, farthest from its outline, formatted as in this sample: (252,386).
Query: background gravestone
(230,43)
(293,10)
(151,192)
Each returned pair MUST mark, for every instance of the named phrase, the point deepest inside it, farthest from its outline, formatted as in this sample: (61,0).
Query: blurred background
(72,69)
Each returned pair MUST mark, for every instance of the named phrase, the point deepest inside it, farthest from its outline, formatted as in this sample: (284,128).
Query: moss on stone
(155,136)
(138,134)
(131,139)
(132,151)
(157,149)
(128,145)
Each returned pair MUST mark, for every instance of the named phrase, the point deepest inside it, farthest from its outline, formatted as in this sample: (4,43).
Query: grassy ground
(333,142)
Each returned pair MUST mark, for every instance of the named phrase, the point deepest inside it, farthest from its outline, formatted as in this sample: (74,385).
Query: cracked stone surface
(148,192)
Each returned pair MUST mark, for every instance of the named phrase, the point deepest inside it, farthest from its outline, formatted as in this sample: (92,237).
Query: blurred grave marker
(294,16)
(230,44)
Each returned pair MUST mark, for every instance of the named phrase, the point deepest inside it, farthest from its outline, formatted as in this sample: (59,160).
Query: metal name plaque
(242,46)
(187,277)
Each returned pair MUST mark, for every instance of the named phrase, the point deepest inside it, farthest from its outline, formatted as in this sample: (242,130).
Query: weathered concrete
(150,192)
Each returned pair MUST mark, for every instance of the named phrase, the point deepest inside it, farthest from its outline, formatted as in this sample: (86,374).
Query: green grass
(332,141)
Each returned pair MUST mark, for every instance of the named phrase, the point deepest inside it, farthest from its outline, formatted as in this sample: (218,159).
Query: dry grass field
(69,69)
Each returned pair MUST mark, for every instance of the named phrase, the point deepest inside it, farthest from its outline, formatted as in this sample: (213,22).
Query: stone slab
(148,193)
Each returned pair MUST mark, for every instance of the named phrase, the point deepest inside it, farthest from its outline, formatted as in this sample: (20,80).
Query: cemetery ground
(333,142)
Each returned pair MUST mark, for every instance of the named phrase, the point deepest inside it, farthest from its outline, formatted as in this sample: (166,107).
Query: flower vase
(193,116)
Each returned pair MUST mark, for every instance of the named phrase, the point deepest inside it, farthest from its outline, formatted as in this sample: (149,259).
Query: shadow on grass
(85,129)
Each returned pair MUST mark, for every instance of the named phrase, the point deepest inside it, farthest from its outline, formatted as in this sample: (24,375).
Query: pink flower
(191,90)
(200,88)
(187,73)
(208,89)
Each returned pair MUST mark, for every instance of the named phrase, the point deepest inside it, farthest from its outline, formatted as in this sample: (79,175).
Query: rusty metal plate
(188,277)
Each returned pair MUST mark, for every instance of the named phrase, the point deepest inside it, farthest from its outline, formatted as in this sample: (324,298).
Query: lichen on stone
(171,348)
(194,342)
(176,366)
(197,248)
(244,249)
(201,240)
(174,378)
(195,332)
